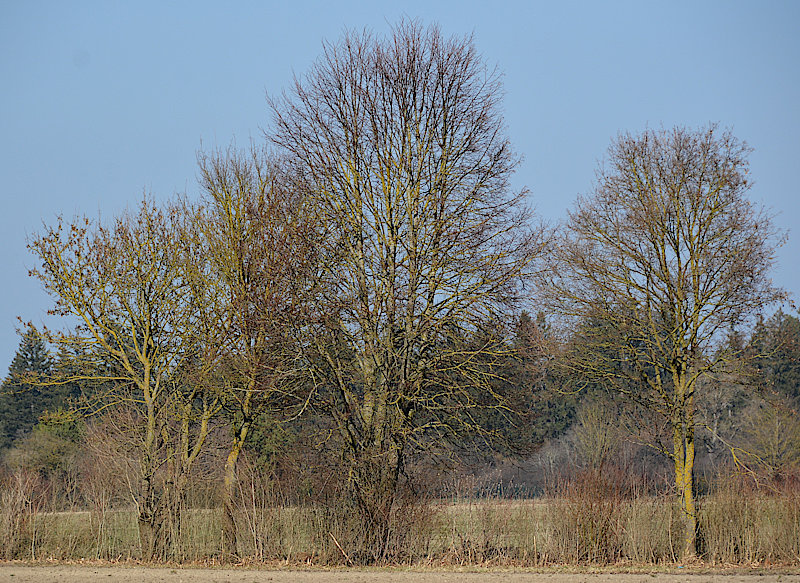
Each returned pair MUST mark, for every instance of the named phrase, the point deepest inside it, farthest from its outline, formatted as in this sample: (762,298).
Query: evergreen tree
(785,365)
(23,397)
(776,344)
(550,408)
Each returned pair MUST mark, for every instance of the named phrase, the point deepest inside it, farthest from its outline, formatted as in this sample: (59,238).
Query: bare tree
(597,436)
(771,438)
(135,292)
(652,271)
(261,247)
(400,146)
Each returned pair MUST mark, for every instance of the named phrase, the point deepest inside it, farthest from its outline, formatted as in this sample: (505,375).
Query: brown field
(18,573)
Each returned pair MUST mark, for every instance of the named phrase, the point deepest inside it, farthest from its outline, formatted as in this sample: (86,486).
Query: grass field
(735,529)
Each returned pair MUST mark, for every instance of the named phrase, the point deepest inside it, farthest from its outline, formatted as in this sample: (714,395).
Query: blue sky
(102,101)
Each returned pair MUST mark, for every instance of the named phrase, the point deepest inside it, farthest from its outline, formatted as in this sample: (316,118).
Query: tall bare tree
(655,267)
(261,247)
(399,144)
(136,295)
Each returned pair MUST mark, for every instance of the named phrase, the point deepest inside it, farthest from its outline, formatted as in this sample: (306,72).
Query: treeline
(347,311)
(749,418)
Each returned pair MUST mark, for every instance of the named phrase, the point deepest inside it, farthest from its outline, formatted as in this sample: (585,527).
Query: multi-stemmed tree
(135,292)
(398,143)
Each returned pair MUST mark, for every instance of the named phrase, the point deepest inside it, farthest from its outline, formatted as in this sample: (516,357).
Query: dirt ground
(17,573)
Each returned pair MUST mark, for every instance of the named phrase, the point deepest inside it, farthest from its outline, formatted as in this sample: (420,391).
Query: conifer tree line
(365,299)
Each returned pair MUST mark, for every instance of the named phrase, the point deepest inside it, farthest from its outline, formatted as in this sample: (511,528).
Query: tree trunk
(683,441)
(147,534)
(153,538)
(149,500)
(229,542)
(375,480)
(174,512)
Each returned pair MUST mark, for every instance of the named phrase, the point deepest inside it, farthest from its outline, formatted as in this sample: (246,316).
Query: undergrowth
(594,518)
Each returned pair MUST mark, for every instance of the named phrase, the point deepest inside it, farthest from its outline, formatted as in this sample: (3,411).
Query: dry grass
(583,523)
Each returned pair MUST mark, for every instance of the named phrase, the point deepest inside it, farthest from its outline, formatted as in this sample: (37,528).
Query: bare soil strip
(17,573)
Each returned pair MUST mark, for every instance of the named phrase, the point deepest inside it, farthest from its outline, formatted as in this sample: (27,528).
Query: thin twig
(336,542)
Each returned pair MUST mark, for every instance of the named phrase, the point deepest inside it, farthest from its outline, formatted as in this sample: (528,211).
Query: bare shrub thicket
(588,517)
(747,522)
(21,500)
(262,515)
(606,515)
